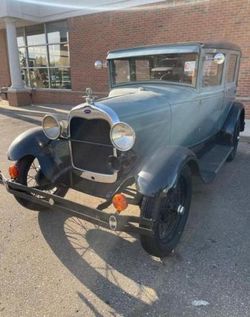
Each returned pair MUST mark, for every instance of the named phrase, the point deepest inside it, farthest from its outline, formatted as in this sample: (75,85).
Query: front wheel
(30,175)
(169,214)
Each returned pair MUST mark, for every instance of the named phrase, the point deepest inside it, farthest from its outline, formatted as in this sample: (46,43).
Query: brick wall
(4,68)
(170,21)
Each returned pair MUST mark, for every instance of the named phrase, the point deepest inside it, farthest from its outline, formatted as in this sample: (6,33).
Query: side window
(212,71)
(231,68)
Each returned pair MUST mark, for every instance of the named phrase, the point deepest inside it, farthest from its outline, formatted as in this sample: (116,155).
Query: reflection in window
(142,69)
(57,32)
(231,67)
(35,35)
(20,37)
(212,72)
(22,56)
(59,55)
(44,55)
(60,78)
(122,74)
(39,77)
(38,56)
(24,74)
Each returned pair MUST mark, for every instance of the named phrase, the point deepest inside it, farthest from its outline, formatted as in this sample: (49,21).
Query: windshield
(177,68)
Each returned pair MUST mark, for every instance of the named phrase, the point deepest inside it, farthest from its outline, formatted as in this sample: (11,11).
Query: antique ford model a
(171,115)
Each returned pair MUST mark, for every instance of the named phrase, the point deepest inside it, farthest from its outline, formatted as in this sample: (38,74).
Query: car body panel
(162,169)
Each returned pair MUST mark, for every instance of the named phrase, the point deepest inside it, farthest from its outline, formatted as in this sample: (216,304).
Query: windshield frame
(151,81)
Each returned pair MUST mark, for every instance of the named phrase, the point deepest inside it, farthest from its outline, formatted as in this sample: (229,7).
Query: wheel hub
(180,210)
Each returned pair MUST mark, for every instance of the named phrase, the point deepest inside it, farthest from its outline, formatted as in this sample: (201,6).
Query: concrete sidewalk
(246,133)
(41,110)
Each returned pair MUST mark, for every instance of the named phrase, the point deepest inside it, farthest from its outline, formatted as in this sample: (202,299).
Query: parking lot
(55,265)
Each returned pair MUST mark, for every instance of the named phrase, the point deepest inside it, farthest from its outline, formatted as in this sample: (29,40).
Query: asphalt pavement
(55,265)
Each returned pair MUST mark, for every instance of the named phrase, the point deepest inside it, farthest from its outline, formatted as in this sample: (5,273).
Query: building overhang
(28,12)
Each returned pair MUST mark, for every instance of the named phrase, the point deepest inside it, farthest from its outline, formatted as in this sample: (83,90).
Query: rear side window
(231,68)
(212,71)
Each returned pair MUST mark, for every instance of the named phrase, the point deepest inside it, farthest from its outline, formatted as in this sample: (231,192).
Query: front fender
(53,156)
(30,142)
(162,169)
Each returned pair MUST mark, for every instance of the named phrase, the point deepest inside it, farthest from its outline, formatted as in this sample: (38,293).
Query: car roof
(187,47)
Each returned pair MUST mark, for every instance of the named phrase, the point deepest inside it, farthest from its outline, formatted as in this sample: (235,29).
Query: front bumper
(114,221)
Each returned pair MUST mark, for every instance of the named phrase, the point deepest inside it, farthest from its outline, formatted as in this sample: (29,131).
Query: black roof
(222,45)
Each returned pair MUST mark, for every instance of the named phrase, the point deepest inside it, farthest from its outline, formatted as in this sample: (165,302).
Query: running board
(212,161)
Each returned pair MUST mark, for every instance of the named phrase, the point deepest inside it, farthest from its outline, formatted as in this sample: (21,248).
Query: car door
(211,93)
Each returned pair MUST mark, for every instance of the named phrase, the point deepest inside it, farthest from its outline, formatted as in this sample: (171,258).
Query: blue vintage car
(170,117)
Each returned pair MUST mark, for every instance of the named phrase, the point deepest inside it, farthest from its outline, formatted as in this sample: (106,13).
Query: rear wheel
(30,175)
(169,214)
(235,142)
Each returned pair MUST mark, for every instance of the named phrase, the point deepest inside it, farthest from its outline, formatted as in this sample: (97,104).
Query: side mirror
(98,65)
(219,58)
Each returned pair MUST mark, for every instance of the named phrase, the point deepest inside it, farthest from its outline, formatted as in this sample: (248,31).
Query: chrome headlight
(51,127)
(122,136)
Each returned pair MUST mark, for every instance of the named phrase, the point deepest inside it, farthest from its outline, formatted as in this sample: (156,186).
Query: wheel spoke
(172,211)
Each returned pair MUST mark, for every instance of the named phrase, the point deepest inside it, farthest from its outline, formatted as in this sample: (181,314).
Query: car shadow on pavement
(209,262)
(111,266)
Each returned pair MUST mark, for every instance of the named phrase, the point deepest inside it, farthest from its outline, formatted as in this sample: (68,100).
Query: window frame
(48,67)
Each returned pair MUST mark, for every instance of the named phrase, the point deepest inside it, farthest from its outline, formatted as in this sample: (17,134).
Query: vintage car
(170,117)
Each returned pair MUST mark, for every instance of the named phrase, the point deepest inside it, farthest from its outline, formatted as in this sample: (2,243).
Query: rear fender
(53,156)
(236,113)
(161,171)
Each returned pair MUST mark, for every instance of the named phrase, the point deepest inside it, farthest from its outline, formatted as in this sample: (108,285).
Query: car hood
(129,102)
(147,109)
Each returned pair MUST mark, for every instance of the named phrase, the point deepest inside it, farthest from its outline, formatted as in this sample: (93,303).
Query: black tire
(24,167)
(235,142)
(162,212)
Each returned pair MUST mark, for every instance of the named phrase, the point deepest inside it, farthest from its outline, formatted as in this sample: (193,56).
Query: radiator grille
(91,145)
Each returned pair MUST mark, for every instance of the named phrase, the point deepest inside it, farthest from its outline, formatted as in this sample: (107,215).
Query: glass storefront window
(35,35)
(59,55)
(24,73)
(60,78)
(22,56)
(39,77)
(44,55)
(38,56)
(57,32)
(20,37)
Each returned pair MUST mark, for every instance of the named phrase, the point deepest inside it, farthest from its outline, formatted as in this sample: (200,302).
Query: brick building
(54,46)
